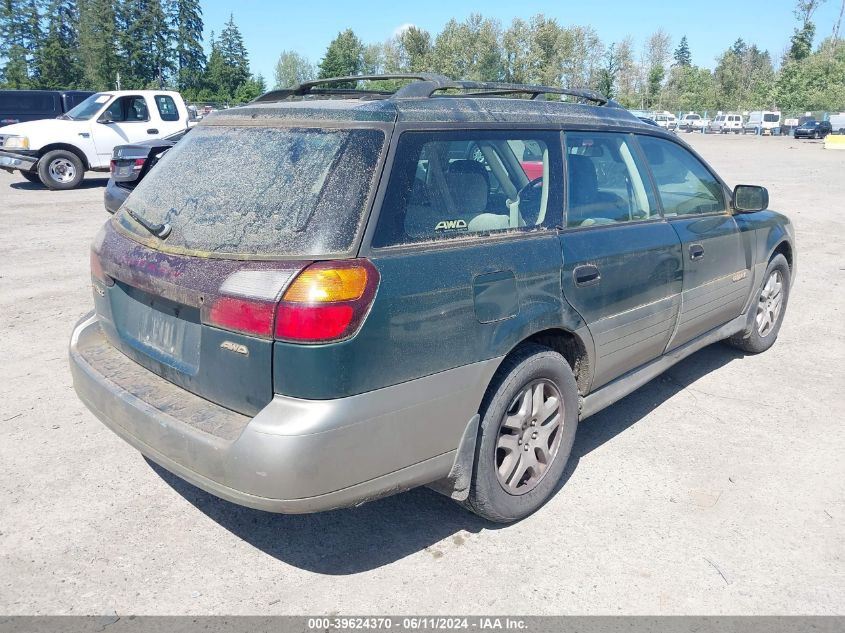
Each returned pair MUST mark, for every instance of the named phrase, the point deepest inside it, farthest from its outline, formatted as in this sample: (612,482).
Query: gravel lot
(718,488)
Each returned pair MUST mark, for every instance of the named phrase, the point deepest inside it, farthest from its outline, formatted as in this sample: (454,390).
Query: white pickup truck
(58,152)
(693,122)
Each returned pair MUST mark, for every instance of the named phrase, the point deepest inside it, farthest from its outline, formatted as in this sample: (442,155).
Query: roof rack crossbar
(312,86)
(423,86)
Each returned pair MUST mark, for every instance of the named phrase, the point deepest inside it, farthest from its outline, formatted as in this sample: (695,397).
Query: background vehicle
(57,152)
(813,129)
(724,123)
(837,123)
(763,122)
(17,106)
(666,120)
(130,163)
(295,319)
(692,122)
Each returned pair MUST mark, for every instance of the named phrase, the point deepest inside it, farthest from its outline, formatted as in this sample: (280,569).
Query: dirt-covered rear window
(251,191)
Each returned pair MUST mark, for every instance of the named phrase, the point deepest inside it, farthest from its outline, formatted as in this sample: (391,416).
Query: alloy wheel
(770,304)
(529,437)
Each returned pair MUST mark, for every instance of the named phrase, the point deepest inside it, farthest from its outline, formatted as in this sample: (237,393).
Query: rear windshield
(771,118)
(14,102)
(250,191)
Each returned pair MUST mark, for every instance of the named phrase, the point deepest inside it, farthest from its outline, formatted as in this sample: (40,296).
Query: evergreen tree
(344,57)
(144,43)
(228,64)
(20,38)
(683,57)
(97,44)
(58,58)
(185,20)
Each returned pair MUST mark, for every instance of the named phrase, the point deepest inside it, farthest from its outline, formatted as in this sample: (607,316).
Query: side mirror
(106,117)
(750,198)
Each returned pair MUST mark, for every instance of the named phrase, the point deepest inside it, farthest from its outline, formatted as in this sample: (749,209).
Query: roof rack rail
(424,86)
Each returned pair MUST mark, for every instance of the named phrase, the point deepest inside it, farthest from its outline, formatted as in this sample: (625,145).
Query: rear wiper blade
(159,230)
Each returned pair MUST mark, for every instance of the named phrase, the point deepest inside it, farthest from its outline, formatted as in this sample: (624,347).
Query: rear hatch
(189,275)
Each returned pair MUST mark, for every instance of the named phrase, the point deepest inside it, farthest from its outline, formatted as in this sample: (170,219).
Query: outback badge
(235,347)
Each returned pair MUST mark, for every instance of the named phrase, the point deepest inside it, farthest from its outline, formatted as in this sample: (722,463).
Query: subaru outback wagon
(336,293)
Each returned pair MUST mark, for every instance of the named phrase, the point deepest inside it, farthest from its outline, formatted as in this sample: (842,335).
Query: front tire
(60,169)
(769,309)
(31,176)
(528,424)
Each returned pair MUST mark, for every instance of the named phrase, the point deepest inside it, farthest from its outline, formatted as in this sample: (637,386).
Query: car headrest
(583,182)
(469,186)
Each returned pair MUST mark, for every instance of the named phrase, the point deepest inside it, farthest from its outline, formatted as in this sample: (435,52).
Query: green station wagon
(336,292)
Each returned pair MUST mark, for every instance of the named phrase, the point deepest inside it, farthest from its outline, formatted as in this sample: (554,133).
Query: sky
(308,26)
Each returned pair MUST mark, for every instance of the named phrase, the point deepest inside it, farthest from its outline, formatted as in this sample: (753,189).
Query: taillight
(97,270)
(328,301)
(112,165)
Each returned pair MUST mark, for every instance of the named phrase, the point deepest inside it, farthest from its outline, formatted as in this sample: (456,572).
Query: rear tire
(528,422)
(769,309)
(60,169)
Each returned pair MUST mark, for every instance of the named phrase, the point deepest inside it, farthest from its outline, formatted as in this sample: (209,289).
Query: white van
(725,123)
(762,122)
(665,120)
(837,123)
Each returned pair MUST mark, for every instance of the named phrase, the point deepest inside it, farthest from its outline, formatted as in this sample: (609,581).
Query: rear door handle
(586,275)
(696,251)
(152,130)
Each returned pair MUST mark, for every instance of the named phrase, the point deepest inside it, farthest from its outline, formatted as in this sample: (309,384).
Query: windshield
(771,118)
(251,191)
(88,108)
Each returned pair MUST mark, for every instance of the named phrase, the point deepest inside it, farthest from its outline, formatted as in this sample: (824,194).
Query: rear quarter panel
(437,308)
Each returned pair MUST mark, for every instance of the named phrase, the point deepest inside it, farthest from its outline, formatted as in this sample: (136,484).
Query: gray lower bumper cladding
(295,455)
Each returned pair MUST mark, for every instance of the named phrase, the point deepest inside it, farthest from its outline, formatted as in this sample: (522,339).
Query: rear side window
(606,182)
(167,108)
(685,185)
(260,192)
(447,185)
(19,102)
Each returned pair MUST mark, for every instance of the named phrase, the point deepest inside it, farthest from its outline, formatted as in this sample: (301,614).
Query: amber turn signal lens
(324,285)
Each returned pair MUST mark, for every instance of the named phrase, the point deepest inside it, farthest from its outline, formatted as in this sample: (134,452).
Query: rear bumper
(11,161)
(114,196)
(294,456)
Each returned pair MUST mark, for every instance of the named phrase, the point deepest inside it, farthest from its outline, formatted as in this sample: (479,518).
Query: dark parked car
(334,294)
(130,163)
(813,129)
(17,106)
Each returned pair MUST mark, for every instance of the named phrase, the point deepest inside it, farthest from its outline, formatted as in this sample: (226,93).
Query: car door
(622,268)
(130,122)
(166,116)
(715,254)
(462,271)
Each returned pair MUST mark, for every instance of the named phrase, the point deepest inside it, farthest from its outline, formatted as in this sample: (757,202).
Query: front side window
(685,185)
(606,182)
(452,184)
(167,108)
(129,110)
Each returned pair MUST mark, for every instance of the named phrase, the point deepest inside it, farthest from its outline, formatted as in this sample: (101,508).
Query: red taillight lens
(97,271)
(328,301)
(313,323)
(112,166)
(243,315)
